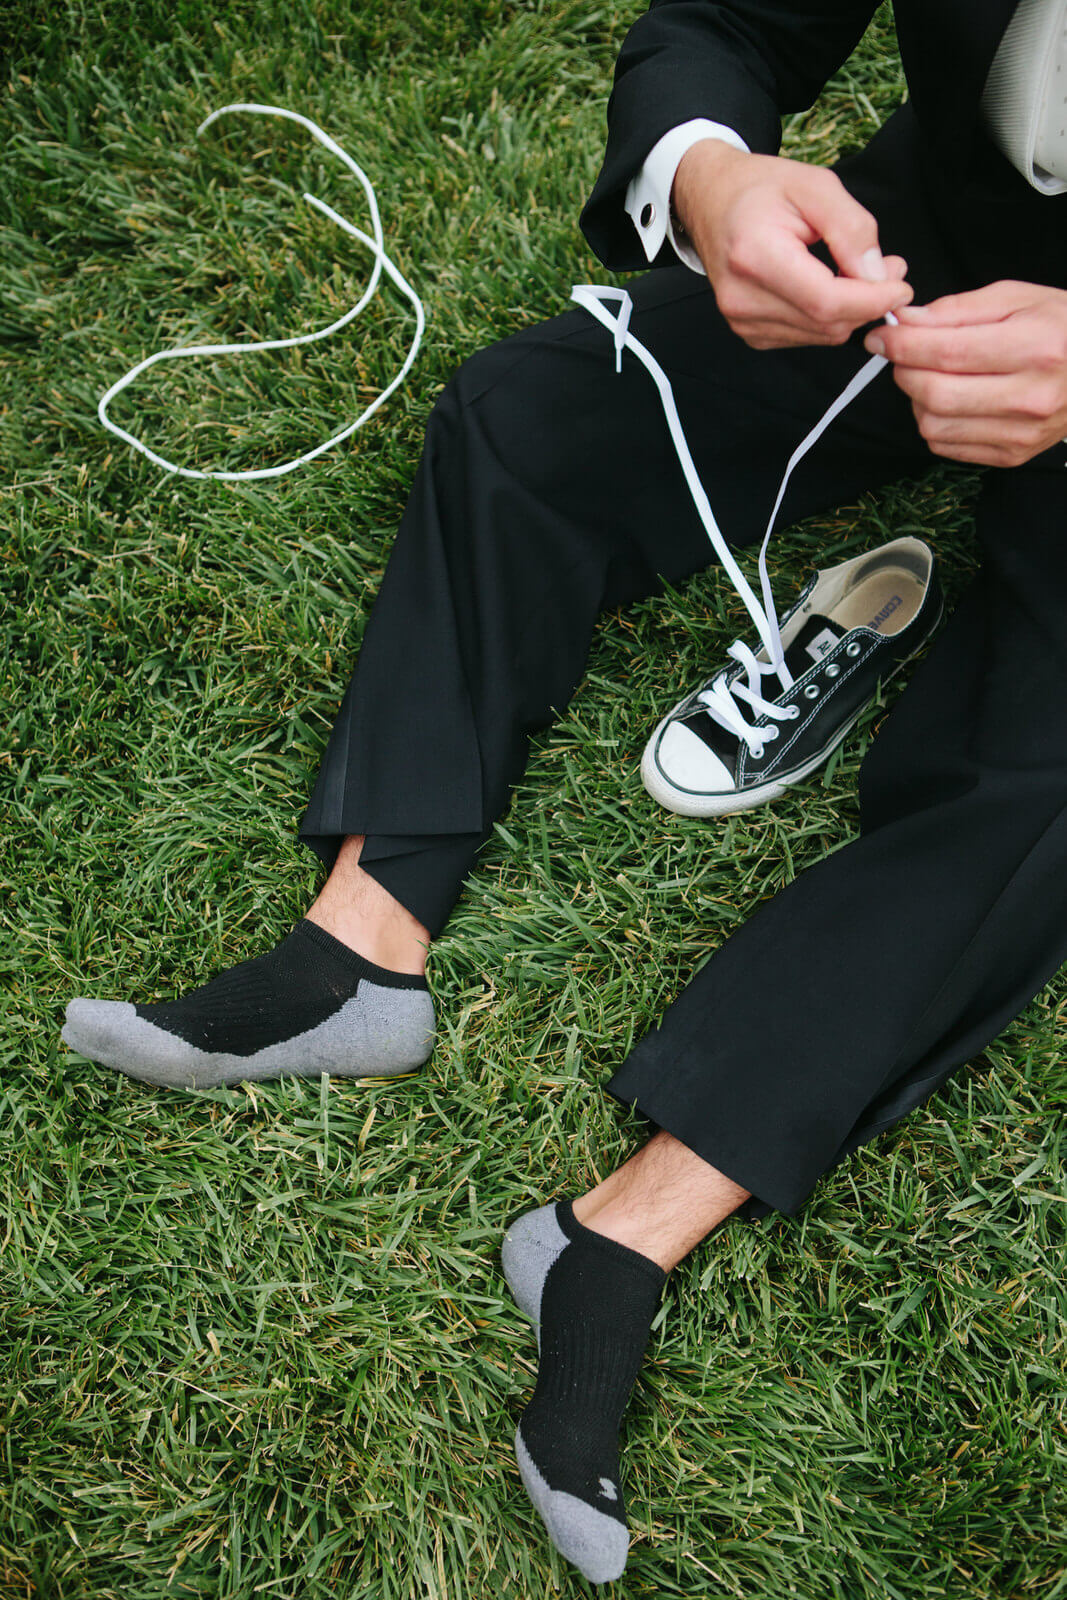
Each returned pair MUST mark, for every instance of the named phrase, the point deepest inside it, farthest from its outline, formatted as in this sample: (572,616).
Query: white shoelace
(725,701)
(381,262)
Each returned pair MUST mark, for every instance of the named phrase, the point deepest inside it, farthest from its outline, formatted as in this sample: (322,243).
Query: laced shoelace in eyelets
(720,699)
(726,698)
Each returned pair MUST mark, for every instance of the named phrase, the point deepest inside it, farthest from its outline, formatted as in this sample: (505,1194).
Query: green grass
(256,1343)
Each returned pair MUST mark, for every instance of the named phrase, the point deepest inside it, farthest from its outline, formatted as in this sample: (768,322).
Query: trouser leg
(547,493)
(857,991)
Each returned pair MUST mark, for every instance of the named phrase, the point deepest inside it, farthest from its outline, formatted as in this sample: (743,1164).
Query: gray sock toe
(97,1025)
(111,1032)
(597,1544)
(531,1245)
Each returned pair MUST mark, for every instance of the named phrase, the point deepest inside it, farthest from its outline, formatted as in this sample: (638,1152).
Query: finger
(984,347)
(992,303)
(1012,397)
(979,455)
(749,308)
(778,336)
(765,321)
(896,267)
(973,431)
(782,335)
(769,323)
(848,229)
(785,267)
(1009,443)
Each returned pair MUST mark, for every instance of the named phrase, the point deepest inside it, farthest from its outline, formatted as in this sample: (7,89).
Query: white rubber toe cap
(685,761)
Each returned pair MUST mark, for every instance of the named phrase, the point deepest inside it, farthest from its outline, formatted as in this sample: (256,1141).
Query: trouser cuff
(425,873)
(768,1190)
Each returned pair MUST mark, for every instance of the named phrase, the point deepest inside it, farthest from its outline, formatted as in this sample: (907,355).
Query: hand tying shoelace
(726,698)
(382,262)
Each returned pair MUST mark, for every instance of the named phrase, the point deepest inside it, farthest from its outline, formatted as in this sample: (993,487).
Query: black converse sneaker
(747,734)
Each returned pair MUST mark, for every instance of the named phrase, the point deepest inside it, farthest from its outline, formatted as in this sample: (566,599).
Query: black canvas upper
(798,659)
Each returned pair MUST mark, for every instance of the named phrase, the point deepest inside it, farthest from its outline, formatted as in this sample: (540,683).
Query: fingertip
(872,265)
(910,313)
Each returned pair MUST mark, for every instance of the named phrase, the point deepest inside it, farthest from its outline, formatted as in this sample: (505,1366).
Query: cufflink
(648,215)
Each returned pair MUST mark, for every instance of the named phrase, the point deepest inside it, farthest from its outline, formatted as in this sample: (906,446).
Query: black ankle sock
(596,1310)
(293,988)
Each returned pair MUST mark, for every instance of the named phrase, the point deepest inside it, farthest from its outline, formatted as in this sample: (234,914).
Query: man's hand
(751,220)
(986,371)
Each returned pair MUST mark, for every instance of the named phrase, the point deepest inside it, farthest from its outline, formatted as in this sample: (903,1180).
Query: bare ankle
(356,909)
(661,1203)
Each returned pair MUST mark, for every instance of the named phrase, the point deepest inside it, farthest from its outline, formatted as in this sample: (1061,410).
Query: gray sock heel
(531,1245)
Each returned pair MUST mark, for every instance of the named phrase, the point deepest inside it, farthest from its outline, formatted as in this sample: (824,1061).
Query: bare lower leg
(662,1202)
(355,908)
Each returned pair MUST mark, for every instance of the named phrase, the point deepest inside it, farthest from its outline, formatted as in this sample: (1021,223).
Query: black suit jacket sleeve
(739,62)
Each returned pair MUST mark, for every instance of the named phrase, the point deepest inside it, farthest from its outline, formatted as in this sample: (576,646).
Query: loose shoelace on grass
(725,701)
(382,263)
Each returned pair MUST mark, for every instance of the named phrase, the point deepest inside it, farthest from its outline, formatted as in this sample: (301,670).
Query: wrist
(698,172)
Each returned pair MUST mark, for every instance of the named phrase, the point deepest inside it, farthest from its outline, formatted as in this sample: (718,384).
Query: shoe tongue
(816,639)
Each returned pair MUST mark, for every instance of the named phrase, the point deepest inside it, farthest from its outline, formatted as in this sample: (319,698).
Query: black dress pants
(548,492)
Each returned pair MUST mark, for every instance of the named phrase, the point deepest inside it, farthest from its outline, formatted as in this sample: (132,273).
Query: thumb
(847,228)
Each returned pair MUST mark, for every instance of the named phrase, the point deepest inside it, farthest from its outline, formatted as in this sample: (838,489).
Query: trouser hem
(425,875)
(766,1190)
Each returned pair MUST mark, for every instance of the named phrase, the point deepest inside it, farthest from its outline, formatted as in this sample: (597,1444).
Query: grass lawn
(256,1343)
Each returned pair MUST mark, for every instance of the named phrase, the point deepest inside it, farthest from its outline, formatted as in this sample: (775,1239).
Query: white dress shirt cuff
(648,197)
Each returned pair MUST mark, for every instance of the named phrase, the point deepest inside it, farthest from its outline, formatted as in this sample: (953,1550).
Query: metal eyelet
(772,732)
(794,712)
(833,670)
(854,648)
(812,691)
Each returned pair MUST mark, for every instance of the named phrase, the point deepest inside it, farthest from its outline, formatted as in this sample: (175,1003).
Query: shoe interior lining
(885,601)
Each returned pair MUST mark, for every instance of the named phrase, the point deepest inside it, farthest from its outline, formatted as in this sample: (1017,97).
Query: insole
(886,601)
